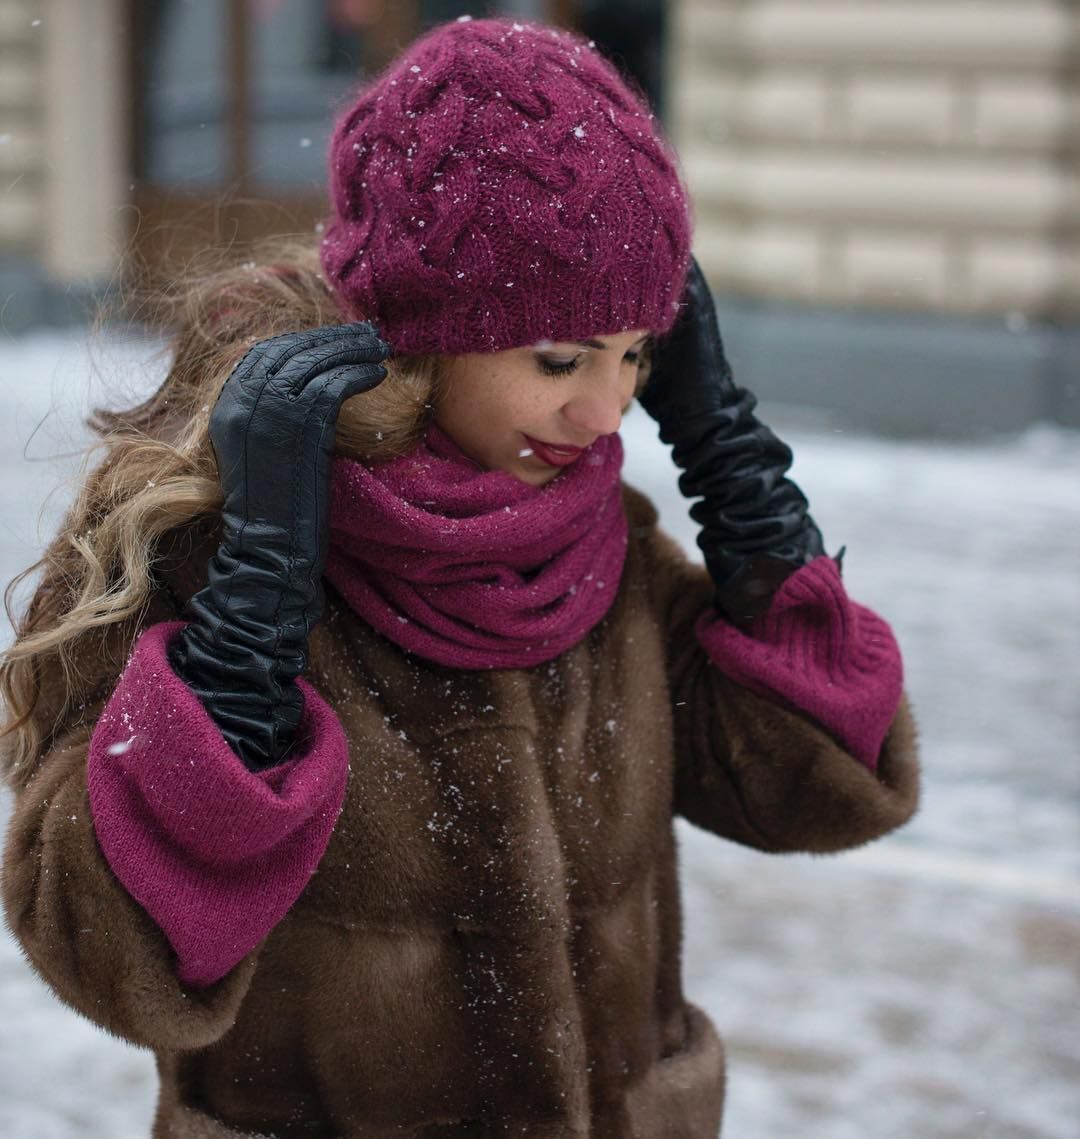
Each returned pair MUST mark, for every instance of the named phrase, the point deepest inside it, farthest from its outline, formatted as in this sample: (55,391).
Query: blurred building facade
(892,191)
(886,192)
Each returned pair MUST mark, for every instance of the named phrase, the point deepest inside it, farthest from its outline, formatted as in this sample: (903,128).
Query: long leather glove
(755,529)
(272,429)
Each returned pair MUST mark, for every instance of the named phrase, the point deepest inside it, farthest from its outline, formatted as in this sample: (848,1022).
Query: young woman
(429,886)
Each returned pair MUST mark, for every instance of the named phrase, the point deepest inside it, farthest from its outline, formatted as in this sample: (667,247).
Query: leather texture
(273,430)
(755,525)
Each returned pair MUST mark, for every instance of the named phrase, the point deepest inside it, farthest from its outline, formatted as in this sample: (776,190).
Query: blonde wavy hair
(157,472)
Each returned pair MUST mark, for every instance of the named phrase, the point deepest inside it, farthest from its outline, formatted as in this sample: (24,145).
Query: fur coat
(490,945)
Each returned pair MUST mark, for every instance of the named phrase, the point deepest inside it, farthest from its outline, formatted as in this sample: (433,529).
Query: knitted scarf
(475,569)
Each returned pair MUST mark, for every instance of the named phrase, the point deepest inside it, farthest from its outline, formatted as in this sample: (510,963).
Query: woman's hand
(755,527)
(272,429)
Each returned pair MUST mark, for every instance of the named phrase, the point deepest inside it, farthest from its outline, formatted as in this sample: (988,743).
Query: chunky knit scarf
(476,569)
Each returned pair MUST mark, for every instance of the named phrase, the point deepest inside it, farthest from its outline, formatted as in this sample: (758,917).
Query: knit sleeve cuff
(818,651)
(216,854)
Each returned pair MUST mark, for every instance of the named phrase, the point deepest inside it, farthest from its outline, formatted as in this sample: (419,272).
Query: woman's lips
(554,454)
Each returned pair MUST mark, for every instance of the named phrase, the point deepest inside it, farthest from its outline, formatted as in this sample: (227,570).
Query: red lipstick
(554,454)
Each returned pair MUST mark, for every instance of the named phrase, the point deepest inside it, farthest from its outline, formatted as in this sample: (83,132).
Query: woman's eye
(557,367)
(565,367)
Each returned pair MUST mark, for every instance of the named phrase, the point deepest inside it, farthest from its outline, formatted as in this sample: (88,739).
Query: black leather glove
(272,429)
(755,529)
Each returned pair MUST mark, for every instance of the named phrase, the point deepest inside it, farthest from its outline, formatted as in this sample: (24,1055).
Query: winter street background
(927,986)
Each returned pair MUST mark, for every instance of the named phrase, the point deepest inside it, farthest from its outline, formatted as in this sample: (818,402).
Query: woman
(429,887)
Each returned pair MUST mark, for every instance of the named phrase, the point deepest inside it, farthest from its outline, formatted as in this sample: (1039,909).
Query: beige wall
(21,128)
(87,186)
(63,127)
(918,155)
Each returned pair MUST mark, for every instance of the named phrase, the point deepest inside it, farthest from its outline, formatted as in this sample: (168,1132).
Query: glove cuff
(820,652)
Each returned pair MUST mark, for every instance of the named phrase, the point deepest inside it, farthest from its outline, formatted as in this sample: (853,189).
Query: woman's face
(530,411)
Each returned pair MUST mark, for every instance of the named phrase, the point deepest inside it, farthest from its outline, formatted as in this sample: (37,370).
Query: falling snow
(925,985)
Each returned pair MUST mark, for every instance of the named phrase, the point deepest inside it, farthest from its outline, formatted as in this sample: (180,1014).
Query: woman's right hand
(272,429)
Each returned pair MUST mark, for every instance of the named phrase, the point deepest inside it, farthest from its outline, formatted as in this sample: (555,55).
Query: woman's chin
(528,469)
(535,476)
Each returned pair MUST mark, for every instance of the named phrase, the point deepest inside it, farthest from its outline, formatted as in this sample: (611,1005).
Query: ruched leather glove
(755,529)
(272,429)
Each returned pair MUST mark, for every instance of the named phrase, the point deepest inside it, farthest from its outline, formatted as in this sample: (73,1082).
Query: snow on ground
(925,986)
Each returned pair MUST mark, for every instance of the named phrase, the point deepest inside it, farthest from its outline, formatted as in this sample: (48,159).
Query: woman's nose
(597,408)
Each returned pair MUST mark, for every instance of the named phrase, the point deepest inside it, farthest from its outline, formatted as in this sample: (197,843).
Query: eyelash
(550,368)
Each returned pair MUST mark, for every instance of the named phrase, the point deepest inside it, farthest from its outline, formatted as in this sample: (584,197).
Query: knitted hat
(499,184)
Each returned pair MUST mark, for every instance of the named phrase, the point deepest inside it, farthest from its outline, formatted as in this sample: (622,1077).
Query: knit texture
(498,185)
(476,569)
(215,854)
(820,652)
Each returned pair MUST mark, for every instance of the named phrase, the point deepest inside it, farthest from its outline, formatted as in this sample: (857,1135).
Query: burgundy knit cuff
(818,651)
(216,854)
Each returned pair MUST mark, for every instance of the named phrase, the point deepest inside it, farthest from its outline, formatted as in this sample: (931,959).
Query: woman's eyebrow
(597,344)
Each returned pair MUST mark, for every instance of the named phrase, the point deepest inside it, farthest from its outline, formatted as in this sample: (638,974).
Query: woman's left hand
(756,530)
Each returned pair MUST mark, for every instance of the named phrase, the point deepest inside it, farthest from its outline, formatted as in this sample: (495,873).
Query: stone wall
(912,156)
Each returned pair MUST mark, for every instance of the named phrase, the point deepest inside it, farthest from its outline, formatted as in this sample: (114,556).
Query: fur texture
(491,943)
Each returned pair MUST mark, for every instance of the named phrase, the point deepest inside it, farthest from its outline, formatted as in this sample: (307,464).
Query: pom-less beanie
(498,185)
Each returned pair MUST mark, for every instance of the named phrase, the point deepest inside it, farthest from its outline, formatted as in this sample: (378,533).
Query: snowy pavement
(924,987)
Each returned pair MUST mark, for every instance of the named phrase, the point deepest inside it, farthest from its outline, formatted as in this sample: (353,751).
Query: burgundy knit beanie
(500,184)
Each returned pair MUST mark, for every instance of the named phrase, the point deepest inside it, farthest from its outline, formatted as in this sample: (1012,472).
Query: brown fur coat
(491,944)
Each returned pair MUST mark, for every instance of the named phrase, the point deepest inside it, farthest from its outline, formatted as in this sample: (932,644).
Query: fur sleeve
(751,768)
(87,938)
(80,929)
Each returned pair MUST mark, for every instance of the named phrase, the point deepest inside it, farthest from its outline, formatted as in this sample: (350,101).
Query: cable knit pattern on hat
(498,185)
(820,652)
